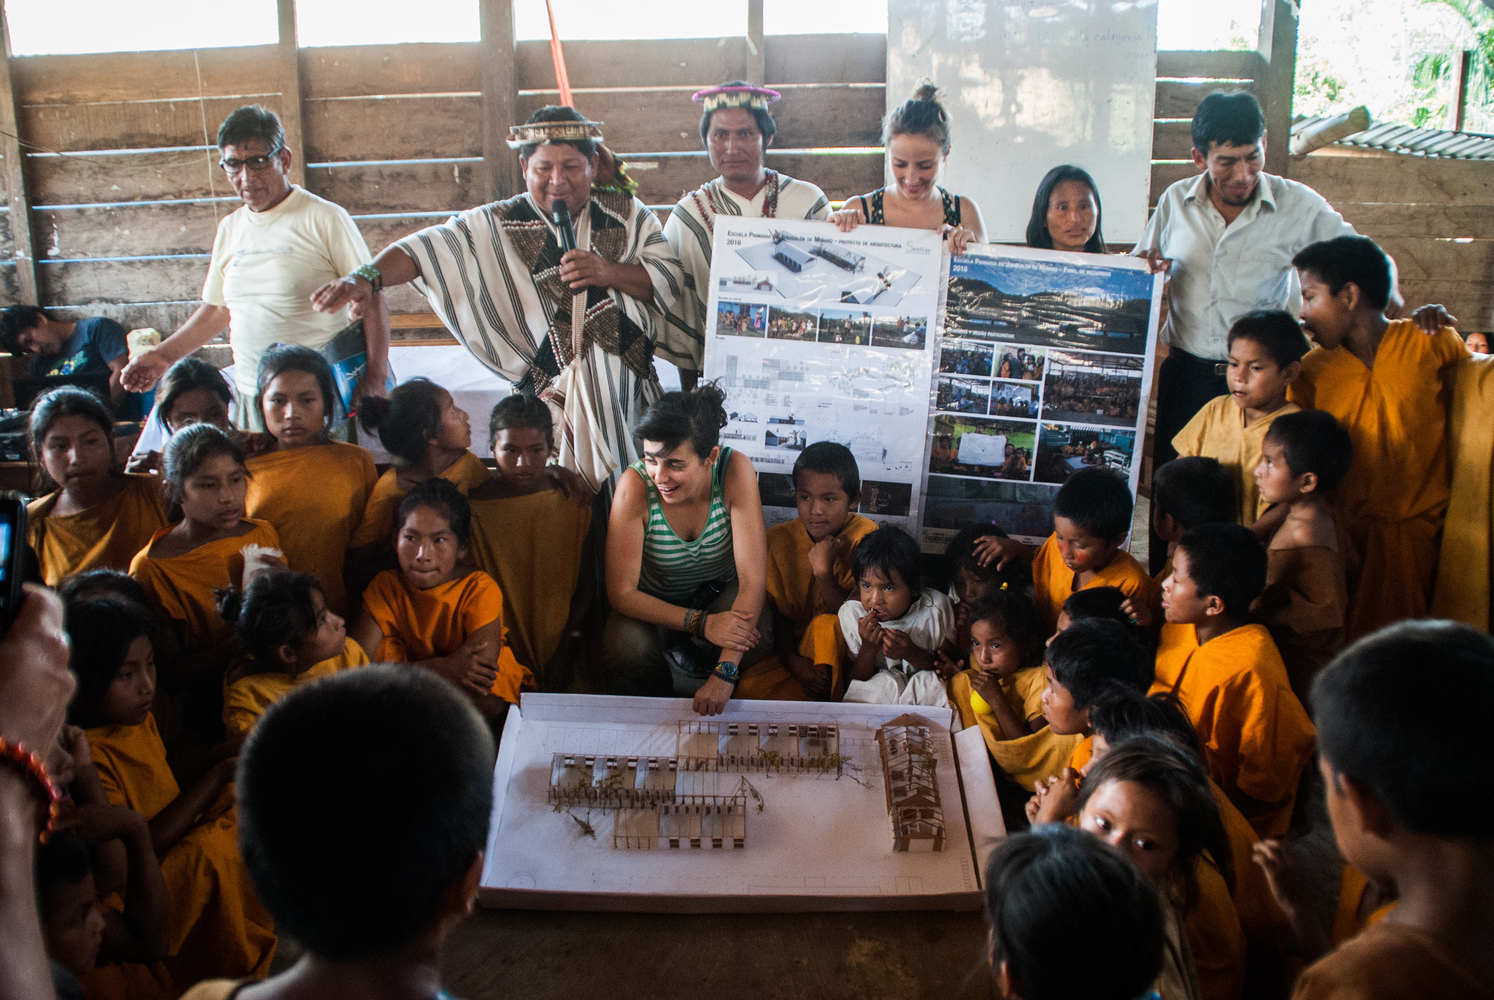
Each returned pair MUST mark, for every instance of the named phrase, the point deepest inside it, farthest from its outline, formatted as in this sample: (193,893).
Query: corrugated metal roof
(1404,139)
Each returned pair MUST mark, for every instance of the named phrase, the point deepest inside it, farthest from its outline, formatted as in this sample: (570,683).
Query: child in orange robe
(218,927)
(97,517)
(1408,794)
(532,538)
(292,637)
(809,578)
(1265,355)
(311,490)
(1388,383)
(434,612)
(1091,519)
(1228,675)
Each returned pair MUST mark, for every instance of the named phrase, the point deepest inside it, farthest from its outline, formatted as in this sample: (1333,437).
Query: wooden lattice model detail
(908,767)
(687,800)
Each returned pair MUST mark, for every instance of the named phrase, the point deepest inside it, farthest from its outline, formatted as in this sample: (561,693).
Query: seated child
(191,392)
(1003,692)
(1043,884)
(1306,600)
(894,629)
(1387,383)
(310,489)
(427,435)
(96,517)
(532,538)
(293,638)
(217,926)
(1091,519)
(1084,661)
(1265,354)
(809,578)
(1228,675)
(83,933)
(315,827)
(972,580)
(1410,798)
(1187,492)
(438,613)
(1150,799)
(1121,714)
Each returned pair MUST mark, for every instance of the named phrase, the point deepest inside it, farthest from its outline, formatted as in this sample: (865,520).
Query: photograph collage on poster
(1040,372)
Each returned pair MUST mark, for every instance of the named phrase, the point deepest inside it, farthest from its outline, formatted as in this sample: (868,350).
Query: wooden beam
(756,62)
(1457,104)
(1277,44)
(290,90)
(499,83)
(15,179)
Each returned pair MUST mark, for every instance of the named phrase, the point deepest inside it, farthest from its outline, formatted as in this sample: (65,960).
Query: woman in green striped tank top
(687,559)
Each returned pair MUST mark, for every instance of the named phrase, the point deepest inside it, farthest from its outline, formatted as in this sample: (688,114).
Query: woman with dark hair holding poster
(1066,212)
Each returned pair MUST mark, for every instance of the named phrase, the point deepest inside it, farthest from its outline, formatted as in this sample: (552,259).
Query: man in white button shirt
(1227,238)
(268,258)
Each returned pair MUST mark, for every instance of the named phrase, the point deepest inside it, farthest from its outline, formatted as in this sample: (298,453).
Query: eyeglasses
(255,163)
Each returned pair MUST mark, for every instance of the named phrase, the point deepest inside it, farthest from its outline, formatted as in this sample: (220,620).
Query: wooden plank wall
(125,194)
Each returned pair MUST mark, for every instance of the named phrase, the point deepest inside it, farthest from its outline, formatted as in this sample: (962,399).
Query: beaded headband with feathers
(716,98)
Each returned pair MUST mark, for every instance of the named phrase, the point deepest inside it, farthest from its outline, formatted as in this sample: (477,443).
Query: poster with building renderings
(819,335)
(1044,367)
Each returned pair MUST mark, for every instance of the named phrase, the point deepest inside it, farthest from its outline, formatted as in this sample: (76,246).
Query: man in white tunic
(575,327)
(737,130)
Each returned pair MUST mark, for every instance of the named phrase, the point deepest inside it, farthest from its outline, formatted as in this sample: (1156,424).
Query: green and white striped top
(673,569)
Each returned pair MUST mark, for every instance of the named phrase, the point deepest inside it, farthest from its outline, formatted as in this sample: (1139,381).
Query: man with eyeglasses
(268,258)
(736,129)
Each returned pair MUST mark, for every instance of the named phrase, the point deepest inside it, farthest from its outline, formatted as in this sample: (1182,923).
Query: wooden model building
(912,789)
(684,801)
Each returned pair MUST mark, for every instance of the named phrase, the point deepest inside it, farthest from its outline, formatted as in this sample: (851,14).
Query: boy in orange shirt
(1091,519)
(1410,800)
(809,578)
(1265,354)
(1229,676)
(1388,383)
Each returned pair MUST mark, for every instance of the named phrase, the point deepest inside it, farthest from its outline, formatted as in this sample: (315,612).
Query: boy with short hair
(1412,805)
(1304,457)
(1388,383)
(331,788)
(809,578)
(1229,676)
(1265,354)
(1091,519)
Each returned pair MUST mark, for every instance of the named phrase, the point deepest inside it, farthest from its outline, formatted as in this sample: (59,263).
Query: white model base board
(819,843)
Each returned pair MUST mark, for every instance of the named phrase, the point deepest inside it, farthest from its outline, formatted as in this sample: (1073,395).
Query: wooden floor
(503,954)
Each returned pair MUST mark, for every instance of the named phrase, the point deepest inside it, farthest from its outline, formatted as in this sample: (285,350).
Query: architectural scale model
(908,764)
(689,800)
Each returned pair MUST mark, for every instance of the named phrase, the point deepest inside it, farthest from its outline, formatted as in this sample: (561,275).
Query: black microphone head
(560,211)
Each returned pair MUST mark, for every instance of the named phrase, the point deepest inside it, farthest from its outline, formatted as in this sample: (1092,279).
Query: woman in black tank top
(917,139)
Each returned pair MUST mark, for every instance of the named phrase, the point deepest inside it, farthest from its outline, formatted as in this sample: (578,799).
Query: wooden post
(1278,46)
(290,91)
(15,180)
(498,67)
(755,69)
(1457,104)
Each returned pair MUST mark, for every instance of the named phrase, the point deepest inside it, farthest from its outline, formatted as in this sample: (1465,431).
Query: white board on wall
(1031,84)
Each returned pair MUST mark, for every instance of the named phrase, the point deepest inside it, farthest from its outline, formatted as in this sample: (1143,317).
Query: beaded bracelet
(370,274)
(18,756)
(727,671)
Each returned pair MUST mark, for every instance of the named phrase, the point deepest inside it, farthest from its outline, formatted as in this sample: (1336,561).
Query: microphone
(560,214)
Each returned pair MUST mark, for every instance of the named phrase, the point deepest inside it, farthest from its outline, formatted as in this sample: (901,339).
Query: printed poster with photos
(819,335)
(1044,368)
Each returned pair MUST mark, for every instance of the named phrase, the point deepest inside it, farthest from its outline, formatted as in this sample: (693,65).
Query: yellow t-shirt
(265,267)
(1023,689)
(1218,431)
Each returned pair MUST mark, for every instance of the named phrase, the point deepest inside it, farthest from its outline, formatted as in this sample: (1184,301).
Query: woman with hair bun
(687,559)
(916,135)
